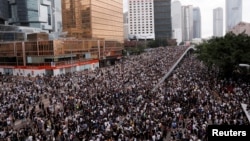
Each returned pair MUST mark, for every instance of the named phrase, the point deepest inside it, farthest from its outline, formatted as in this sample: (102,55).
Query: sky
(206,8)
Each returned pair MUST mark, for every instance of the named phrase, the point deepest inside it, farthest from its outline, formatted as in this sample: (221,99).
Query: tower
(99,19)
(233,13)
(196,22)
(141,19)
(218,22)
(176,21)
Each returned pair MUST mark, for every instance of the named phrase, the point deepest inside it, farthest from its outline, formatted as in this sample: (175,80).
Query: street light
(145,39)
(71,60)
(135,38)
(15,52)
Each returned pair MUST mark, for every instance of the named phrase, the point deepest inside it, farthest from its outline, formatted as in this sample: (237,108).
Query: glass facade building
(98,19)
(11,33)
(218,22)
(125,25)
(56,7)
(233,13)
(196,22)
(4,12)
(162,19)
(187,23)
(31,13)
(176,21)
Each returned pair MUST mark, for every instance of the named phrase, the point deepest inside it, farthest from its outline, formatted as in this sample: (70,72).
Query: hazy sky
(206,8)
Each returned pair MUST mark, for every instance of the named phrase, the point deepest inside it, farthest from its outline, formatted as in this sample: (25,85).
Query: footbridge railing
(173,67)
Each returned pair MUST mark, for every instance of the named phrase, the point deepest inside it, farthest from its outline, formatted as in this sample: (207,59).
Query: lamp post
(135,38)
(15,52)
(145,40)
(37,44)
(71,60)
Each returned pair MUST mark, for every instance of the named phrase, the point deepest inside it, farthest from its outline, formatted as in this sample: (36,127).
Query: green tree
(157,43)
(153,44)
(225,52)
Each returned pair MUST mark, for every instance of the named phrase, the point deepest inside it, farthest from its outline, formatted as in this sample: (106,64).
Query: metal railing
(173,67)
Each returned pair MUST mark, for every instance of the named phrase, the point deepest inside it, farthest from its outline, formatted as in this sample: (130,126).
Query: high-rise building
(56,7)
(125,25)
(196,22)
(218,22)
(31,13)
(93,19)
(176,21)
(162,19)
(141,19)
(233,13)
(4,13)
(187,22)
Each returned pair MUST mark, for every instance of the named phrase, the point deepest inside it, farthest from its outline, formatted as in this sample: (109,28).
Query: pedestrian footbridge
(173,67)
(246,111)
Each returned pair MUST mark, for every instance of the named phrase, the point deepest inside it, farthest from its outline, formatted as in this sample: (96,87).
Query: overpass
(243,105)
(173,67)
(246,110)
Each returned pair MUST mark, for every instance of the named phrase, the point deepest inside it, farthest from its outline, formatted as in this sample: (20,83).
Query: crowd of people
(116,102)
(198,98)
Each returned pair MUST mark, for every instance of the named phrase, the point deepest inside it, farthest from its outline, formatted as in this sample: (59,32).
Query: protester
(116,102)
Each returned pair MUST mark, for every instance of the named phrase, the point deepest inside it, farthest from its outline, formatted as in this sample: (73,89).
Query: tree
(225,52)
(153,44)
(158,42)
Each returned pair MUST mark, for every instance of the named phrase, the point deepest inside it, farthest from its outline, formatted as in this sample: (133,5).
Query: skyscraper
(218,22)
(233,13)
(141,19)
(176,21)
(4,13)
(31,13)
(125,25)
(187,23)
(56,7)
(162,19)
(196,22)
(93,19)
